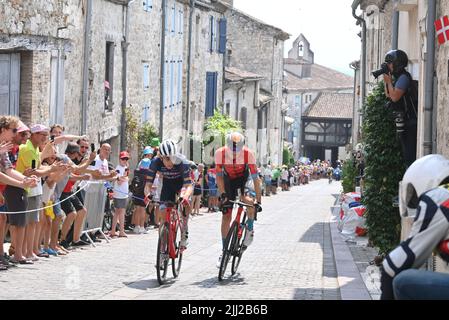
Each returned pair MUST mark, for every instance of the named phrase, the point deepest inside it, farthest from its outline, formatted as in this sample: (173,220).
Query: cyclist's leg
(168,194)
(185,215)
(227,211)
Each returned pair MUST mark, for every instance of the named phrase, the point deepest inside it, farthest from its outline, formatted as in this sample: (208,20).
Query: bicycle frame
(240,210)
(173,219)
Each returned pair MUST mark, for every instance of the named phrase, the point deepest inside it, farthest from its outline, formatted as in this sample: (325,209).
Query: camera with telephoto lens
(383,70)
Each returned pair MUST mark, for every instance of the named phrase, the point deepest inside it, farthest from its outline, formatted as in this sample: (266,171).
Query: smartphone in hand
(33,164)
(92,147)
(52,138)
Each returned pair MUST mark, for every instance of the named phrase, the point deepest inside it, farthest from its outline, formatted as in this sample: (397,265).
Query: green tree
(287,157)
(219,125)
(383,171)
(145,134)
(350,171)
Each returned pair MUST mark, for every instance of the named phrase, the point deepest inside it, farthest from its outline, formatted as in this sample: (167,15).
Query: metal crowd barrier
(94,201)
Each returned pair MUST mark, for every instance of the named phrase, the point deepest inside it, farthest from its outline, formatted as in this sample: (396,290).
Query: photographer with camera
(402,92)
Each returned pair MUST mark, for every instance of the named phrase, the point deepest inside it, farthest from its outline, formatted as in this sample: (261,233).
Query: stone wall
(442,88)
(203,61)
(31,28)
(145,48)
(105,28)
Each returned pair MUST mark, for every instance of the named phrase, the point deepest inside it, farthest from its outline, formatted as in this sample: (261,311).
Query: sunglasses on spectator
(126,159)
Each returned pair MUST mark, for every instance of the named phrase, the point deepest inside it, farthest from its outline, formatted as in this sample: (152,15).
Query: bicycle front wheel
(176,262)
(238,251)
(229,248)
(162,255)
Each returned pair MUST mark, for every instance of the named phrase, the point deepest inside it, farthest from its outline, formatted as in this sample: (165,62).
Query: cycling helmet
(235,140)
(423,175)
(398,58)
(168,148)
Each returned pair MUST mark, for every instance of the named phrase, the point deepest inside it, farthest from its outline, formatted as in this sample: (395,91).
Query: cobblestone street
(290,258)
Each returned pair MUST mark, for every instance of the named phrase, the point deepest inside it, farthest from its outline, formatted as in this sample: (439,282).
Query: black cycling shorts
(170,188)
(231,188)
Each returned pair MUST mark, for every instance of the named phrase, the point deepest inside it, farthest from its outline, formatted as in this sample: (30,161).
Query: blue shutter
(211,26)
(164,89)
(173,27)
(222,41)
(181,22)
(214,90)
(209,79)
(146,113)
(211,93)
(180,81)
(146,76)
(171,82)
(166,17)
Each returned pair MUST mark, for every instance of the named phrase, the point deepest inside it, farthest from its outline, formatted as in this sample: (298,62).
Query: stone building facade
(206,71)
(305,81)
(257,47)
(35,41)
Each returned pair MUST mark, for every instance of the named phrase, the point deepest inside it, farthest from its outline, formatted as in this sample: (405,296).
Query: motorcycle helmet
(398,58)
(423,175)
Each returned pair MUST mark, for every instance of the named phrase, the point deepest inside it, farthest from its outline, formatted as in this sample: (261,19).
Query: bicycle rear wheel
(230,243)
(162,255)
(176,262)
(238,251)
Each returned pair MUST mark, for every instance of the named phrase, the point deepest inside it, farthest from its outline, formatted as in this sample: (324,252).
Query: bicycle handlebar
(243,204)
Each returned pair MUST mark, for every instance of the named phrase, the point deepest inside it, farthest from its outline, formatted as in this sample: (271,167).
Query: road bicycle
(234,247)
(169,242)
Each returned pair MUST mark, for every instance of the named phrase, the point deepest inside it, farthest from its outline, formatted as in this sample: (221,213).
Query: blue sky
(327,24)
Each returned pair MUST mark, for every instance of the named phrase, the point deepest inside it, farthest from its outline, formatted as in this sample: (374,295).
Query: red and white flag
(442,29)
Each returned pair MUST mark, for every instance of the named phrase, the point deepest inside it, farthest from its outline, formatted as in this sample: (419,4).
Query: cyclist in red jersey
(234,164)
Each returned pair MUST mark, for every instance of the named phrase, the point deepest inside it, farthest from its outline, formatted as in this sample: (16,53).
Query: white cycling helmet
(423,175)
(168,148)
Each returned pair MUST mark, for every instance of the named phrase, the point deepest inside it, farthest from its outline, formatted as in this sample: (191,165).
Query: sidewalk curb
(351,284)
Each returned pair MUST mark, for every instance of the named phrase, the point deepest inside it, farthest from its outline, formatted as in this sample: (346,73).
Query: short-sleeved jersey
(235,163)
(180,170)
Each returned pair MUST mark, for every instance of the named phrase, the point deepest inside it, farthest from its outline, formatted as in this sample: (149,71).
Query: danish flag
(442,28)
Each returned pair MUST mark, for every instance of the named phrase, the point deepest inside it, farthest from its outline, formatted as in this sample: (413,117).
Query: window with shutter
(147,5)
(172,62)
(167,14)
(146,113)
(222,33)
(109,76)
(180,81)
(181,22)
(243,117)
(146,76)
(211,93)
(173,27)
(164,89)
(212,33)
